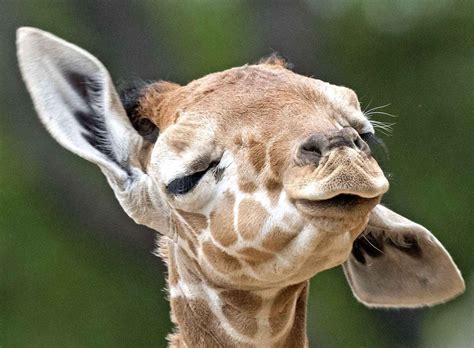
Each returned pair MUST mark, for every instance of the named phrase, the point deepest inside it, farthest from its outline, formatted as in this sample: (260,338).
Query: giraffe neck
(206,315)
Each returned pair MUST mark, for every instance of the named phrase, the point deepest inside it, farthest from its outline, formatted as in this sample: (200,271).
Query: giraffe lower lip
(347,202)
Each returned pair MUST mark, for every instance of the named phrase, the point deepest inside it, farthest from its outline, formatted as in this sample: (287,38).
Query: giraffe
(256,179)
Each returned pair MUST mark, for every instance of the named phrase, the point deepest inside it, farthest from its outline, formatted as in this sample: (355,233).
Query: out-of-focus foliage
(75,271)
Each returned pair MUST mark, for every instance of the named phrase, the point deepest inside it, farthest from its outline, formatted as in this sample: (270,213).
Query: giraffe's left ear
(78,104)
(398,263)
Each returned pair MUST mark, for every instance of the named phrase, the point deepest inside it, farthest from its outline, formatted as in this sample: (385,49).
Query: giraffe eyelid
(185,184)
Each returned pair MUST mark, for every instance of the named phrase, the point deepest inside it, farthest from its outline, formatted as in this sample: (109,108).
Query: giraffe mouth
(345,177)
(343,203)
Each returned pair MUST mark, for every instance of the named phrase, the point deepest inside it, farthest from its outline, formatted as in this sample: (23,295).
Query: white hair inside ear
(76,101)
(78,104)
(398,263)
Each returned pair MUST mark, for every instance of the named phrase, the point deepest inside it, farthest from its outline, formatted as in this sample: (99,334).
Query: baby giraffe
(256,179)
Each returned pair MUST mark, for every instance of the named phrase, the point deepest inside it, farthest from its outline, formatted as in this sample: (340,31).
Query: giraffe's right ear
(398,263)
(77,102)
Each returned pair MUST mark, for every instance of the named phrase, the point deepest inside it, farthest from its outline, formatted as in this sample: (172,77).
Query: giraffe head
(255,160)
(260,176)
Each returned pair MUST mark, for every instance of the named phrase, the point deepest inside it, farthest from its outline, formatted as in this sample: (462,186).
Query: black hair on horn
(130,95)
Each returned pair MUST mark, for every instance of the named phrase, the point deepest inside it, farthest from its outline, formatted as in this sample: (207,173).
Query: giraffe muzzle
(343,172)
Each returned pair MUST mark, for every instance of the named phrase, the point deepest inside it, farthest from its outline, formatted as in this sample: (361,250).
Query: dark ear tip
(130,95)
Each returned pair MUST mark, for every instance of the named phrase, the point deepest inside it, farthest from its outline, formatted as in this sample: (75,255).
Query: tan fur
(258,181)
(199,327)
(277,239)
(247,186)
(197,222)
(254,256)
(222,228)
(219,259)
(282,308)
(243,324)
(261,112)
(256,151)
(296,336)
(251,218)
(243,300)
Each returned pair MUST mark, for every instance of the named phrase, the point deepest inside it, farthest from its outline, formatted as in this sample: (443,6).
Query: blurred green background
(75,271)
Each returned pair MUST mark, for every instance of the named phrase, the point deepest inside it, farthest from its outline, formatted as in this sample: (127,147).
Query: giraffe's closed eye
(185,184)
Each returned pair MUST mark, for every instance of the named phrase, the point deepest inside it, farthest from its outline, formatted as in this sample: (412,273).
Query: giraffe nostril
(318,145)
(361,145)
(311,150)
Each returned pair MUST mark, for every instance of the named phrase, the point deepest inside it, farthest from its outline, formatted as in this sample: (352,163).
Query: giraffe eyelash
(185,184)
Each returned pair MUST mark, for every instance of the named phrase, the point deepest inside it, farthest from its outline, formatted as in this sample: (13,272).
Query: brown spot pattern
(257,154)
(297,335)
(240,321)
(273,185)
(251,218)
(254,256)
(244,300)
(199,327)
(198,222)
(222,222)
(247,186)
(278,156)
(219,259)
(277,239)
(282,307)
